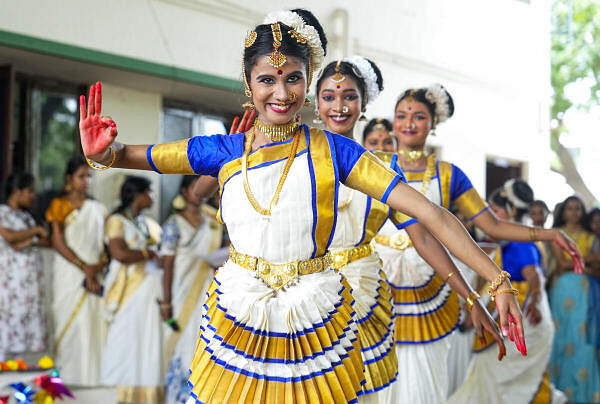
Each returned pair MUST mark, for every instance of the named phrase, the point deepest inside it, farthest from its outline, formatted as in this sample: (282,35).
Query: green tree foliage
(575,57)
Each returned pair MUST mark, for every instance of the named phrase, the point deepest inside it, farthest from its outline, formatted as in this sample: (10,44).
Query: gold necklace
(429,173)
(412,155)
(277,133)
(286,169)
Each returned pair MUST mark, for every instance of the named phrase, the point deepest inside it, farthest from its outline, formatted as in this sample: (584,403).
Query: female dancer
(518,379)
(426,310)
(22,325)
(279,322)
(133,358)
(78,238)
(377,135)
(344,89)
(574,364)
(188,236)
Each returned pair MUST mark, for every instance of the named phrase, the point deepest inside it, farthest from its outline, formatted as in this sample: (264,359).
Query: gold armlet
(106,167)
(473,296)
(533,234)
(511,290)
(78,263)
(450,275)
(502,276)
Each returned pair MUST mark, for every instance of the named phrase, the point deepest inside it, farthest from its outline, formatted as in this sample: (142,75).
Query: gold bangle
(449,275)
(145,254)
(502,276)
(473,296)
(511,290)
(106,167)
(77,262)
(533,234)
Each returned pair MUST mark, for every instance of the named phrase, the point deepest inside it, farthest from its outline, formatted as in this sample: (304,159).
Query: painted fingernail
(505,331)
(113,124)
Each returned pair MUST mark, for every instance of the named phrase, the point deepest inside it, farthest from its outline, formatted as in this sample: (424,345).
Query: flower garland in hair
(367,73)
(509,192)
(308,32)
(437,95)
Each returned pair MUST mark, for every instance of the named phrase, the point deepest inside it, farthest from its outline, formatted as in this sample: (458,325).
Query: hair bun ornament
(438,96)
(518,192)
(368,75)
(304,31)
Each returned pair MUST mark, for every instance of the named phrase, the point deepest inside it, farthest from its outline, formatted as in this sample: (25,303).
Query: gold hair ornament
(297,36)
(379,125)
(106,167)
(276,58)
(277,133)
(250,39)
(338,77)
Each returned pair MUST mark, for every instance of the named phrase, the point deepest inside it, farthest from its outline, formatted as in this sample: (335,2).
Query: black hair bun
(310,19)
(377,73)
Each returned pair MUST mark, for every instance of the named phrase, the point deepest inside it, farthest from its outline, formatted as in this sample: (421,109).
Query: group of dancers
(338,286)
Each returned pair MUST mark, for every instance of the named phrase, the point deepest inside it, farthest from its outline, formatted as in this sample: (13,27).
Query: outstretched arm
(453,235)
(436,256)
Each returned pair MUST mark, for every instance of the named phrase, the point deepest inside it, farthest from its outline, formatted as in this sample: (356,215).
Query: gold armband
(473,296)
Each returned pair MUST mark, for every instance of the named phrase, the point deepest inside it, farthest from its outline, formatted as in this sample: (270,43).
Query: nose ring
(345,109)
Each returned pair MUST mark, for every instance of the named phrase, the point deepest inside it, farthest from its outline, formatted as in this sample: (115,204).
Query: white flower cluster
(367,73)
(437,95)
(308,32)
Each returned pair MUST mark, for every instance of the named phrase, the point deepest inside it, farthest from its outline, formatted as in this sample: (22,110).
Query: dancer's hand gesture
(482,321)
(97,132)
(246,123)
(565,242)
(511,318)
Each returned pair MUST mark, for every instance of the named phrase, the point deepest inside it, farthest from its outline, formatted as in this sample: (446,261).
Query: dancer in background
(574,364)
(22,323)
(426,310)
(377,135)
(344,89)
(189,236)
(133,358)
(538,212)
(78,238)
(516,379)
(278,325)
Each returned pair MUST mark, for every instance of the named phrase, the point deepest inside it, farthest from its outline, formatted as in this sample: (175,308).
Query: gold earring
(249,105)
(307,102)
(68,188)
(362,118)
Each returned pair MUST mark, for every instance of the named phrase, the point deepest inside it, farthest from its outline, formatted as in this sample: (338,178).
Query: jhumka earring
(432,130)
(317,119)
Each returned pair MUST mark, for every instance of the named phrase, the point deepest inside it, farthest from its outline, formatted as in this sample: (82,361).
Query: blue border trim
(422,301)
(313,184)
(400,342)
(394,182)
(149,157)
(404,225)
(480,212)
(336,175)
(364,226)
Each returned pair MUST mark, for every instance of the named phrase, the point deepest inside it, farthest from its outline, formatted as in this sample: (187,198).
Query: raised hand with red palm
(97,132)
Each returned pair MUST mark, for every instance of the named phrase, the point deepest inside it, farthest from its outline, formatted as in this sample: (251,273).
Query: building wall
(493,57)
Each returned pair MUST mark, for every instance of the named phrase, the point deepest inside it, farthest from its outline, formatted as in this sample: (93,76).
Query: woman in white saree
(133,358)
(77,235)
(189,236)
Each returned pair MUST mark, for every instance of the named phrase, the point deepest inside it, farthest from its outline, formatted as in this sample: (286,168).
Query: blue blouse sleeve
(202,155)
(361,170)
(518,255)
(464,195)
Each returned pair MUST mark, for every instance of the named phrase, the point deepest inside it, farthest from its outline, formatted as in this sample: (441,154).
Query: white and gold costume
(290,344)
(79,327)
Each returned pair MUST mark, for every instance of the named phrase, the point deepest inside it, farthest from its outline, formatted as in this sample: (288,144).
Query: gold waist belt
(344,257)
(399,241)
(278,275)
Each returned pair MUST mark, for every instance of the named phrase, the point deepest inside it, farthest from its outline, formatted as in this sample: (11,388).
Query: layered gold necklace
(411,155)
(429,173)
(286,169)
(277,133)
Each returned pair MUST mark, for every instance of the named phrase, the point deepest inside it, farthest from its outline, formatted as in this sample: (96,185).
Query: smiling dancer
(426,310)
(344,89)
(279,321)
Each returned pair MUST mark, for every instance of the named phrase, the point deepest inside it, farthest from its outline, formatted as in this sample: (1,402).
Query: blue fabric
(518,255)
(346,153)
(593,316)
(207,154)
(149,157)
(459,183)
(574,363)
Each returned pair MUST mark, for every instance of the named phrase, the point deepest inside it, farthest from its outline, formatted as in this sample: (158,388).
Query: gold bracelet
(449,275)
(473,296)
(77,262)
(145,254)
(511,290)
(502,276)
(106,167)
(533,233)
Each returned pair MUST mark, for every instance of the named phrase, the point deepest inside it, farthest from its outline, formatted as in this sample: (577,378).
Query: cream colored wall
(492,55)
(138,117)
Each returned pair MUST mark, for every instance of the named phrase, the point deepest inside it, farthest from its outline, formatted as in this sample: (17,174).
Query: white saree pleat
(80,330)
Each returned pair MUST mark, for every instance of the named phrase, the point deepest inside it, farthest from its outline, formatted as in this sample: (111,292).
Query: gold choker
(277,133)
(412,155)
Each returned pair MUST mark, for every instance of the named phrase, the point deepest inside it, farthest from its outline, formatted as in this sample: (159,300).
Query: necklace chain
(429,173)
(286,169)
(277,133)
